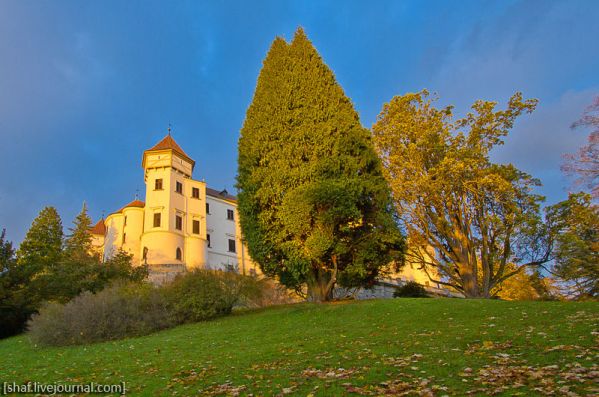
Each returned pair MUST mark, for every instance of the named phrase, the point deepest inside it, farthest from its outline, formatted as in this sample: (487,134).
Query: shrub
(116,312)
(135,309)
(204,294)
(411,289)
(266,292)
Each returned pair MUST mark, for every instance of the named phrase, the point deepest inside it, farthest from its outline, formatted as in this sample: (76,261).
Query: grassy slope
(270,350)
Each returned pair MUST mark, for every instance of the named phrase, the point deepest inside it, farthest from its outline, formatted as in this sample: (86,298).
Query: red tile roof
(168,143)
(134,203)
(98,228)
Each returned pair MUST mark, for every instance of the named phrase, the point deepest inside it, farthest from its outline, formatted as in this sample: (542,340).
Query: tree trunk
(318,291)
(469,282)
(322,283)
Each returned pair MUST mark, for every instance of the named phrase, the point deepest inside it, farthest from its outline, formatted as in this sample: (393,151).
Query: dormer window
(179,188)
(158,184)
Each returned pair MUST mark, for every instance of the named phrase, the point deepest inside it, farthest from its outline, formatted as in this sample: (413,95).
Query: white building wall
(221,230)
(114,235)
(133,221)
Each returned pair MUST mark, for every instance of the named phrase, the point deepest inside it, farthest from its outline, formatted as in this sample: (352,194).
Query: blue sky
(86,86)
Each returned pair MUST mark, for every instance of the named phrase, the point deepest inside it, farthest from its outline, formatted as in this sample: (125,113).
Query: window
(158,184)
(208,238)
(179,188)
(231,245)
(230,215)
(178,223)
(145,254)
(195,192)
(124,237)
(157,219)
(179,254)
(125,222)
(196,227)
(207,208)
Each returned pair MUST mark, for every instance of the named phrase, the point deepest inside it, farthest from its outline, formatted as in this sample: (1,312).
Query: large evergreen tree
(314,207)
(24,281)
(41,250)
(79,268)
(79,242)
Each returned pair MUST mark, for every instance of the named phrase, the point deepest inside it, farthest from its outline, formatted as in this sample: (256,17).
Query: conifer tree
(314,206)
(39,255)
(79,242)
(13,314)
(42,247)
(7,253)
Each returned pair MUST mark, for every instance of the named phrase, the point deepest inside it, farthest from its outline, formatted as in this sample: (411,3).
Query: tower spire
(169,129)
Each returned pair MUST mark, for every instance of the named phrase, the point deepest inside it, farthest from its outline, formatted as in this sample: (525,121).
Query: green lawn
(380,347)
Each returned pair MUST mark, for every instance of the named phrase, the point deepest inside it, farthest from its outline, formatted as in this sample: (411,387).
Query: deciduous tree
(461,211)
(575,222)
(584,165)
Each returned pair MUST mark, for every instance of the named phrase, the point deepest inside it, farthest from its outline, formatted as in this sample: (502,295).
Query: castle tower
(175,208)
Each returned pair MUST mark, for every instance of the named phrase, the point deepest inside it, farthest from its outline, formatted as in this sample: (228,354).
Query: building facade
(182,224)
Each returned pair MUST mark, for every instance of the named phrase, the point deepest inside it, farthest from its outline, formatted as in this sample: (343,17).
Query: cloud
(539,140)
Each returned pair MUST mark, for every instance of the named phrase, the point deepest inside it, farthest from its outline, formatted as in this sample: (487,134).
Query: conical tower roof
(168,143)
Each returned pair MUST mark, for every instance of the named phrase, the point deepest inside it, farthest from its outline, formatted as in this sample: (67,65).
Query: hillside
(380,347)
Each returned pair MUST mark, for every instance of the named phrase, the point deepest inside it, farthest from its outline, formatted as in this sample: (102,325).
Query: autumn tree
(575,222)
(584,165)
(461,211)
(314,206)
(526,285)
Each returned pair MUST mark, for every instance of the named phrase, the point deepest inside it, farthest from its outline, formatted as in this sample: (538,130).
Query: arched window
(179,254)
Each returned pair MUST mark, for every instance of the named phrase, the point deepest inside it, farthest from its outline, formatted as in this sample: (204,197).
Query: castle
(182,224)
